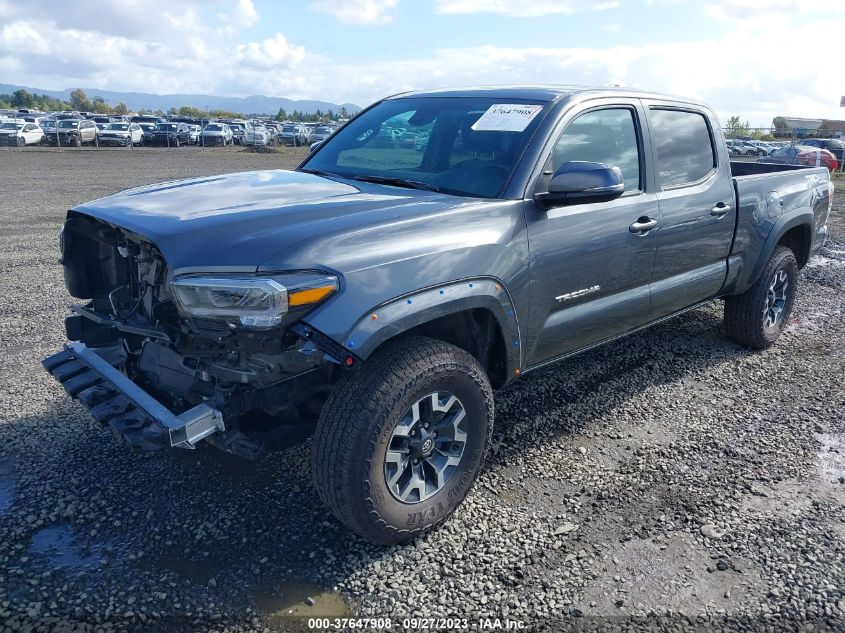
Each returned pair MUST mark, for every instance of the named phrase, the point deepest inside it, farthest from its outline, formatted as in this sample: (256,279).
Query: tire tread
(379,385)
(743,323)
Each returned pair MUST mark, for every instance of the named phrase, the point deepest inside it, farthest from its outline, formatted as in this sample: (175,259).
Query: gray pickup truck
(377,295)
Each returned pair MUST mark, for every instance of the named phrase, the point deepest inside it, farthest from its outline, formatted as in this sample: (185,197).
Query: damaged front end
(171,361)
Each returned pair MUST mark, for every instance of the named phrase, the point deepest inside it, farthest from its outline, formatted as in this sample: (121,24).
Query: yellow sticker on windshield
(506,117)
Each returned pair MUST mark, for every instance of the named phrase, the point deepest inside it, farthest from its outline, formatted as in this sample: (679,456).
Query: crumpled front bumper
(114,400)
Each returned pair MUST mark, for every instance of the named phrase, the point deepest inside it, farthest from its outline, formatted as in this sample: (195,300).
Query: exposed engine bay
(269,384)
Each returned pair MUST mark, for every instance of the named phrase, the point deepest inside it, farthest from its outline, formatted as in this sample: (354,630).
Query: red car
(803,155)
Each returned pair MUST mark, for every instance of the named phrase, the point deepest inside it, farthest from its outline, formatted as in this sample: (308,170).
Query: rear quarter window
(685,152)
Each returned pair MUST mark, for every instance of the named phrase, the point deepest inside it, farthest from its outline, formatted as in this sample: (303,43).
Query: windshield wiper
(398,182)
(319,172)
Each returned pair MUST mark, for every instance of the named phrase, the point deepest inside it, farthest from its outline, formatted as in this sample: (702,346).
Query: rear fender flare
(400,314)
(785,223)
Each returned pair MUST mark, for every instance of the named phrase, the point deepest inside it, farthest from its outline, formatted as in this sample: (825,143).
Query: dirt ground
(671,480)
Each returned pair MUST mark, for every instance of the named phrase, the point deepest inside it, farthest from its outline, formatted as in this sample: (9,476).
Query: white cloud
(741,70)
(742,8)
(245,13)
(516,9)
(358,11)
(275,52)
(163,46)
(738,73)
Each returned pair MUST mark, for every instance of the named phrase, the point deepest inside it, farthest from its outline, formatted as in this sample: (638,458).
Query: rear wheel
(400,442)
(757,317)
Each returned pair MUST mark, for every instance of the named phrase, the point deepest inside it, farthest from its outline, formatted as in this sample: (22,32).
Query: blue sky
(415,28)
(755,58)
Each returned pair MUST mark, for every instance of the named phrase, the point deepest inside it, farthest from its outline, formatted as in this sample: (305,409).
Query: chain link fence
(781,137)
(759,142)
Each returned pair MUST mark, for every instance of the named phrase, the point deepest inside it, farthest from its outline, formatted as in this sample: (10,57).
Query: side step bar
(113,399)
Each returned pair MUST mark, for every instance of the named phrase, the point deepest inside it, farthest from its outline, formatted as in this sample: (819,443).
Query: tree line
(736,128)
(80,101)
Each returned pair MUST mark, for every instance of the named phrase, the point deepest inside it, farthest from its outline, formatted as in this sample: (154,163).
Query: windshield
(164,127)
(322,130)
(440,142)
(122,127)
(289,128)
(68,123)
(213,128)
(11,126)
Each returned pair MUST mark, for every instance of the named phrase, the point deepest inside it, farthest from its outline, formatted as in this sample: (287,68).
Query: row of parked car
(812,154)
(829,152)
(75,129)
(751,147)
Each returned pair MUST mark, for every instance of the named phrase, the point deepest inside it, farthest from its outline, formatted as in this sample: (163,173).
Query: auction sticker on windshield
(506,117)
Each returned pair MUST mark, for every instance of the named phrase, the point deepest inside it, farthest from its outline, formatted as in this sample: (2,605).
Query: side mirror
(578,182)
(314,147)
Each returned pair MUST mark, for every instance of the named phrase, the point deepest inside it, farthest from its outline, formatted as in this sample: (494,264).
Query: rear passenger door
(697,209)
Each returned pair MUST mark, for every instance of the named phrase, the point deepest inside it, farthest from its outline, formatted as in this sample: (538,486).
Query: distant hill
(256,104)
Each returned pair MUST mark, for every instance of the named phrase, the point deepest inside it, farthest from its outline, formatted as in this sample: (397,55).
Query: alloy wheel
(426,447)
(776,298)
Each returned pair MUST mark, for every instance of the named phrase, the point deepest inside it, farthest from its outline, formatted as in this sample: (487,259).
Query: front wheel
(400,442)
(757,317)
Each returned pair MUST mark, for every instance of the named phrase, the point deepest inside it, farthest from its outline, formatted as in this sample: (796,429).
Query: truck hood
(243,220)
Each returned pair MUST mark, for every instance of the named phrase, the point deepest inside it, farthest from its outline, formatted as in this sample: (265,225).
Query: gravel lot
(672,480)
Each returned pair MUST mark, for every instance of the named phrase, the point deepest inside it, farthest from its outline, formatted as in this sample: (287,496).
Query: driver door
(590,268)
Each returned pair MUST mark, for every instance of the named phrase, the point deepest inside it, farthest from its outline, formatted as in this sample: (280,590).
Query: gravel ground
(673,480)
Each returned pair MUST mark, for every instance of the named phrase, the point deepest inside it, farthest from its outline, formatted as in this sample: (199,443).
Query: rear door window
(685,152)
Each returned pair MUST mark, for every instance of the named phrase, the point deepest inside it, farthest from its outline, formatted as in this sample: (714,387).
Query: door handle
(720,209)
(643,225)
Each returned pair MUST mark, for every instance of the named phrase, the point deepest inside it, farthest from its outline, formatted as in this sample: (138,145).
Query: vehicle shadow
(201,528)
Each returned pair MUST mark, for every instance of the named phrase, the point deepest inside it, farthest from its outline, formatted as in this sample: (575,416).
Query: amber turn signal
(307,296)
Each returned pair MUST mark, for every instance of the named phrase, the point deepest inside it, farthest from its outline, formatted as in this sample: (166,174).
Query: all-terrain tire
(745,314)
(356,428)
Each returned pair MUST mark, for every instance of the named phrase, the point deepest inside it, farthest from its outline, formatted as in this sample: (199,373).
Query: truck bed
(741,168)
(772,198)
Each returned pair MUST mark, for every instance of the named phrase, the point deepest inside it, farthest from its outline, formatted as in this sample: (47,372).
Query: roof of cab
(541,93)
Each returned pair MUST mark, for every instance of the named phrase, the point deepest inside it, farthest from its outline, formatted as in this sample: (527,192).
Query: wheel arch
(476,315)
(794,230)
(799,240)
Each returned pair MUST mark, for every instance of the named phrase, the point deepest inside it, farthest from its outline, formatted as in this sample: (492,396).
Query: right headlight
(256,302)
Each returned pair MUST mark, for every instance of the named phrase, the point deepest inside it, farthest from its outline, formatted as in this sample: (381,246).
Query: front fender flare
(400,314)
